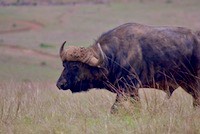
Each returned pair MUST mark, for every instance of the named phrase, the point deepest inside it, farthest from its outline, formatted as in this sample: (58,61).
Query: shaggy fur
(85,55)
(138,56)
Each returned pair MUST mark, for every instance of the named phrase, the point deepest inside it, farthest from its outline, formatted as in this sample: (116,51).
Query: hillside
(73,2)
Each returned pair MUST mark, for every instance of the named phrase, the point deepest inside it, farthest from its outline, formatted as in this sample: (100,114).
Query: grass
(45,46)
(29,100)
(20,65)
(40,108)
(64,21)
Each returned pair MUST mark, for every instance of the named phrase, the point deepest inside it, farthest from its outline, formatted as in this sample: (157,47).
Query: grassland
(30,37)
(39,108)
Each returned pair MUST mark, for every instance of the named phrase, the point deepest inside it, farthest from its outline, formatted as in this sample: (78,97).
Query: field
(30,37)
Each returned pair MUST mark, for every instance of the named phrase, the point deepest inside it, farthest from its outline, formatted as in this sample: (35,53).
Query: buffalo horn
(85,55)
(102,55)
(62,49)
(97,61)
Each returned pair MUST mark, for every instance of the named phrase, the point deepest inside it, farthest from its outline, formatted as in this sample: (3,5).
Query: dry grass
(41,108)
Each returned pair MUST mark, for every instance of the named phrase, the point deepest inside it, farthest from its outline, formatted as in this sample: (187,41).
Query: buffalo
(133,56)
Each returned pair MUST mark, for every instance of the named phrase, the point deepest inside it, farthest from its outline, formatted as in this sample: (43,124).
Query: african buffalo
(132,56)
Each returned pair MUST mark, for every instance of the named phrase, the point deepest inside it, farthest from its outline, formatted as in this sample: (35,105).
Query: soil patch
(22,26)
(17,50)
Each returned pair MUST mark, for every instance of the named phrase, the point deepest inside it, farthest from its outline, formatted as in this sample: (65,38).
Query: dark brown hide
(145,56)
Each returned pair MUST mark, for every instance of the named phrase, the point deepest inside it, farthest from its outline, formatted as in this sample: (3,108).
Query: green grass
(82,24)
(46,46)
(20,65)
(29,100)
(28,72)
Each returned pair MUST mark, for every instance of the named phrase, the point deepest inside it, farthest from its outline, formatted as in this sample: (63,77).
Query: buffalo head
(82,68)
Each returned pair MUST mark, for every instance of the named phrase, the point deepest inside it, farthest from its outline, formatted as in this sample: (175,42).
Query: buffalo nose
(60,85)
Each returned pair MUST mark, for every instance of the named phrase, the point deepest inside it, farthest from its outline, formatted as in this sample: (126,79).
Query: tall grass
(41,108)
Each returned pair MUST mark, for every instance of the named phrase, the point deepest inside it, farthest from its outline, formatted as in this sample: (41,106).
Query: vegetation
(59,2)
(39,108)
(30,37)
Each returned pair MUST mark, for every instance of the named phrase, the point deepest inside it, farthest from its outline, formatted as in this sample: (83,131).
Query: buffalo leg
(135,96)
(132,97)
(196,95)
(196,101)
(169,92)
(194,91)
(167,86)
(117,104)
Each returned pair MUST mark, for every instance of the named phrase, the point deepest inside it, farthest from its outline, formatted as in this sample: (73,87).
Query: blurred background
(31,31)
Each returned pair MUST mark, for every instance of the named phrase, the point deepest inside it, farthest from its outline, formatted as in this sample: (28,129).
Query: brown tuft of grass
(41,108)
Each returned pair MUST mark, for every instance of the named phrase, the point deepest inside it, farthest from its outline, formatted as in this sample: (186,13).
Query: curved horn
(97,61)
(62,49)
(101,56)
(85,55)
